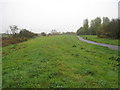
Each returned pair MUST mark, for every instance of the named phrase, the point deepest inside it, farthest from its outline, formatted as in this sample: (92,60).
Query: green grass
(101,40)
(59,62)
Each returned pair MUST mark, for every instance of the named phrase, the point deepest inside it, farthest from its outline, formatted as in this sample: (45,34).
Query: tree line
(55,32)
(28,34)
(103,28)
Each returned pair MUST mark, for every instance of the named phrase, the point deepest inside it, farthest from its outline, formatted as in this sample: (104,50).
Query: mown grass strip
(101,40)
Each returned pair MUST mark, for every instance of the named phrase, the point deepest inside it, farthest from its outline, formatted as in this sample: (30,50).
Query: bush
(43,34)
(27,34)
(23,35)
(11,40)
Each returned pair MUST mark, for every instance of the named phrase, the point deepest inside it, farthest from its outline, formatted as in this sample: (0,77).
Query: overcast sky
(45,15)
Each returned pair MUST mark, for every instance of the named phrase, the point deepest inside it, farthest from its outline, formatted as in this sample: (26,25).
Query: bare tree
(14,29)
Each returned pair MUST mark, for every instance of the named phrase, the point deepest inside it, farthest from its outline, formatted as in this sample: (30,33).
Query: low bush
(11,40)
(27,34)
(23,35)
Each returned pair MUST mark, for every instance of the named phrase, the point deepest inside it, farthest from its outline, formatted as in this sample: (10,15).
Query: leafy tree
(85,29)
(100,32)
(80,31)
(118,28)
(92,28)
(101,29)
(86,26)
(106,21)
(97,21)
(107,29)
(111,29)
(94,25)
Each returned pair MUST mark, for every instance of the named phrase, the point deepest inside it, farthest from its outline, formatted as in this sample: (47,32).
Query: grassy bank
(59,62)
(100,40)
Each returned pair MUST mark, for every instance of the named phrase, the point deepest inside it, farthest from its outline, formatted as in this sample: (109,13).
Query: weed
(74,46)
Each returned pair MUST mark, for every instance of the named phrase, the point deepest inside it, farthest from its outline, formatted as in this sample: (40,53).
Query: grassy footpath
(100,40)
(59,62)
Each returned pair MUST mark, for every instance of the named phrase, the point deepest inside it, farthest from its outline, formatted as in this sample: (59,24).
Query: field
(59,62)
(100,40)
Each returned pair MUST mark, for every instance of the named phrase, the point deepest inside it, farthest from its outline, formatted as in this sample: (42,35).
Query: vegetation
(43,34)
(14,29)
(89,30)
(101,40)
(11,40)
(27,34)
(15,37)
(59,62)
(106,29)
(54,32)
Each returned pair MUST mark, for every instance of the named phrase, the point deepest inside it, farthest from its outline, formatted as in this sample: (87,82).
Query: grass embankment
(101,40)
(59,62)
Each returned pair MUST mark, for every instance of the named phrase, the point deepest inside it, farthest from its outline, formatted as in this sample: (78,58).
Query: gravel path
(114,47)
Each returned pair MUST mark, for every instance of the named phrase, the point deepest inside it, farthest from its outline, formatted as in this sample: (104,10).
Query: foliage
(86,27)
(43,34)
(12,40)
(80,31)
(27,34)
(106,21)
(86,30)
(110,30)
(96,24)
(106,29)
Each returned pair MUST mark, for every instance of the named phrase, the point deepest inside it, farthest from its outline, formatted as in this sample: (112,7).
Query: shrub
(27,34)
(11,40)
(43,34)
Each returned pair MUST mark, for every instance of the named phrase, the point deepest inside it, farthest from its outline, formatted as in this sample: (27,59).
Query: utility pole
(119,10)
